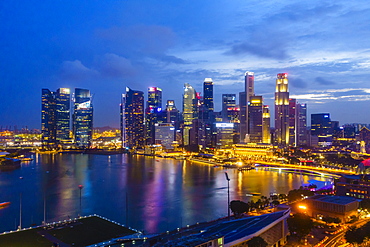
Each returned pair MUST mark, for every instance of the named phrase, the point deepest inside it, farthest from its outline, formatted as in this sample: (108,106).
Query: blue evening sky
(105,46)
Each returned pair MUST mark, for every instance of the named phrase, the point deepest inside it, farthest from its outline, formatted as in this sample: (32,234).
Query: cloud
(113,65)
(76,71)
(297,82)
(323,81)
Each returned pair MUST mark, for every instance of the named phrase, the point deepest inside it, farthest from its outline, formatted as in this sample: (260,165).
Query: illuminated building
(172,114)
(228,102)
(63,113)
(357,186)
(244,118)
(165,135)
(254,150)
(153,110)
(48,123)
(189,97)
(82,118)
(132,119)
(321,127)
(282,110)
(266,135)
(225,135)
(208,98)
(55,117)
(255,108)
(293,122)
(364,136)
(301,124)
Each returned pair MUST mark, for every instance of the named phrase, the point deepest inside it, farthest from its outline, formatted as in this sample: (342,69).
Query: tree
(238,207)
(300,224)
(257,242)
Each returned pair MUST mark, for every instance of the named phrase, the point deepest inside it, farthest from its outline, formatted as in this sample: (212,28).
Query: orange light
(302,207)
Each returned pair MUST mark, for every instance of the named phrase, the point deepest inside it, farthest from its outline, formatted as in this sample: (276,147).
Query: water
(145,193)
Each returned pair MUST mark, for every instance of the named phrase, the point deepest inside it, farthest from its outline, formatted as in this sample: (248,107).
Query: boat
(4,204)
(26,159)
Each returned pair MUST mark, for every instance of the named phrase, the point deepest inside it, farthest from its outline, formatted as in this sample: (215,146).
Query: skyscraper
(48,120)
(249,91)
(293,116)
(266,135)
(153,108)
(55,117)
(208,98)
(63,113)
(302,124)
(282,110)
(132,119)
(188,111)
(82,117)
(228,101)
(255,119)
(321,127)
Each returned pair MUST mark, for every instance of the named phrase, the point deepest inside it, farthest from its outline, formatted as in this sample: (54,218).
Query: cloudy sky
(104,46)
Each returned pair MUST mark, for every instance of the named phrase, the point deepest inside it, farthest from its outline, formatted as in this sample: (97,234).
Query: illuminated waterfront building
(208,99)
(228,104)
(55,117)
(132,119)
(282,110)
(244,118)
(255,108)
(63,114)
(266,135)
(164,134)
(321,127)
(297,123)
(172,114)
(153,110)
(225,135)
(48,123)
(189,98)
(82,118)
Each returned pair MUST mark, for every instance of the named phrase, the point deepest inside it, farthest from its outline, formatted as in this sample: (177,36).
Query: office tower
(188,111)
(293,122)
(301,125)
(55,117)
(244,120)
(282,110)
(48,119)
(224,135)
(153,110)
(321,127)
(132,119)
(63,114)
(82,118)
(172,114)
(164,134)
(255,107)
(228,102)
(266,135)
(208,117)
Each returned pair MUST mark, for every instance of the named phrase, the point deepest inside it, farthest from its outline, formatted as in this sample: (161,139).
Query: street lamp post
(20,207)
(228,195)
(80,187)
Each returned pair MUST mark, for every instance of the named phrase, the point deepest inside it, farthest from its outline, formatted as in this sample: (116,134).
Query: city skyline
(142,44)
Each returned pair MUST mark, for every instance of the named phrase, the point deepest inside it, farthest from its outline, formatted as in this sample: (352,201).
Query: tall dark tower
(153,109)
(63,113)
(48,120)
(282,109)
(132,119)
(208,98)
(244,111)
(82,118)
(256,119)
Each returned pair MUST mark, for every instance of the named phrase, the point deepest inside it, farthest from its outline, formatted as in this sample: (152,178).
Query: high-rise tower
(63,113)
(282,109)
(228,102)
(48,119)
(244,117)
(189,97)
(82,117)
(255,119)
(132,119)
(153,109)
(266,125)
(208,98)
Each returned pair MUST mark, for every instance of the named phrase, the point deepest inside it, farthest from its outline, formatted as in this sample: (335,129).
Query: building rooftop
(341,200)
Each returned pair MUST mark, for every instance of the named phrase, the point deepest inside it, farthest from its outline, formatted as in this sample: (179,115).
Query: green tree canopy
(257,242)
(300,224)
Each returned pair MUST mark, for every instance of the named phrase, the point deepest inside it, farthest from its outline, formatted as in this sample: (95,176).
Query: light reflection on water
(146,193)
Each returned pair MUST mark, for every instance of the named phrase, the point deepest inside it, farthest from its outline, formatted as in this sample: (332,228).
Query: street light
(80,187)
(20,207)
(228,195)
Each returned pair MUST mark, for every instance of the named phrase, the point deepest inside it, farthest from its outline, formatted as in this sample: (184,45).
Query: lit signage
(152,89)
(65,90)
(225,125)
(326,116)
(84,105)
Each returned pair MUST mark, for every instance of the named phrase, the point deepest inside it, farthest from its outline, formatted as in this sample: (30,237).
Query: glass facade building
(282,110)
(82,118)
